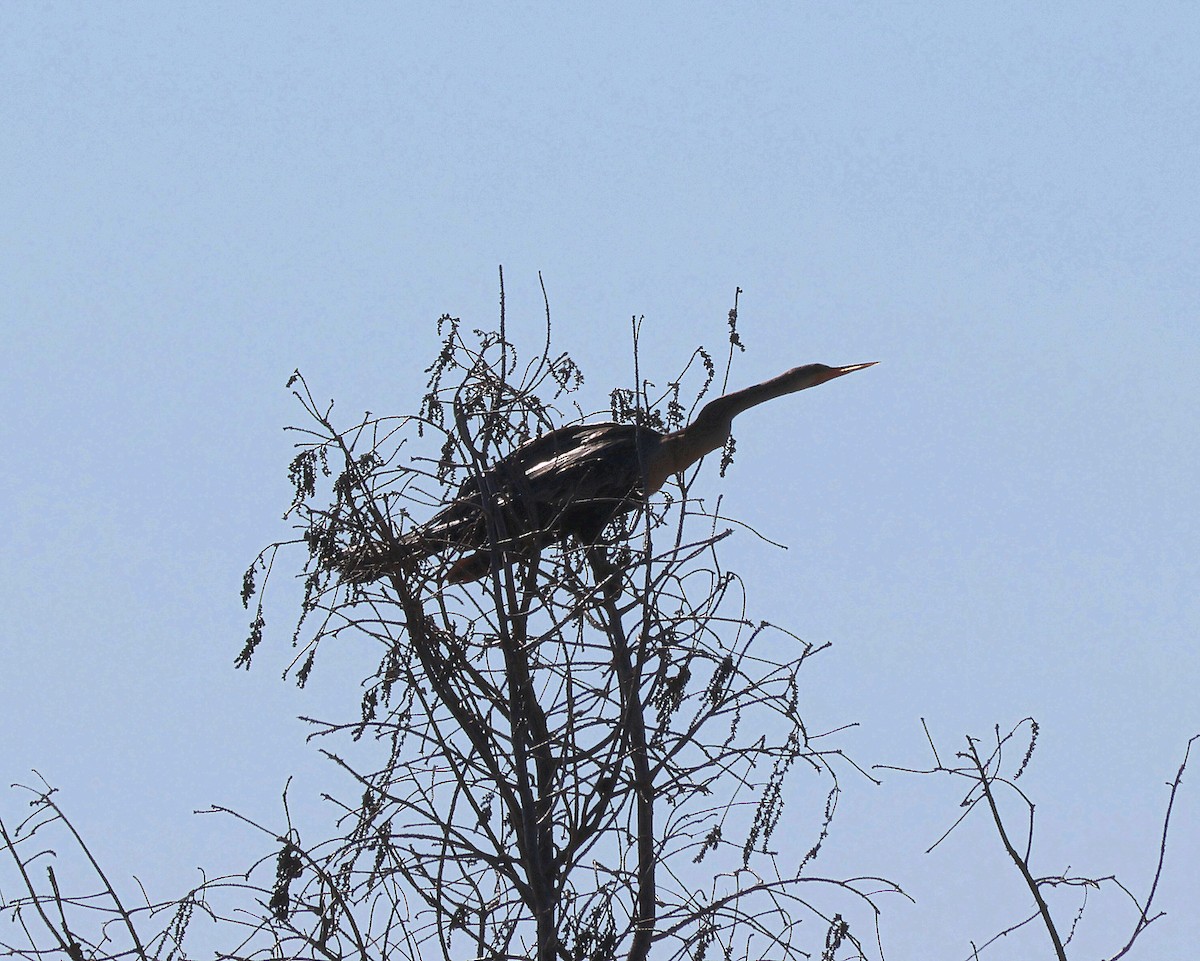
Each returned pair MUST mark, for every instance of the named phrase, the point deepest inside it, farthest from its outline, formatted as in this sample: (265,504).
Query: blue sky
(1000,204)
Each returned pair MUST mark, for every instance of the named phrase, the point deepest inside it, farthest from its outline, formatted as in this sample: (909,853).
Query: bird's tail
(370,561)
(364,563)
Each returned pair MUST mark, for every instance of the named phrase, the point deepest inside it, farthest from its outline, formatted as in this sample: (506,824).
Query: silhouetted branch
(985,780)
(1145,919)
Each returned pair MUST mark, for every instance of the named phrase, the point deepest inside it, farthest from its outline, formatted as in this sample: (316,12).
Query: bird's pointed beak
(838,371)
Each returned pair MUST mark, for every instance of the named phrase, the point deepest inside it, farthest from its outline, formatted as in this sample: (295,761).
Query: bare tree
(991,774)
(585,754)
(97,922)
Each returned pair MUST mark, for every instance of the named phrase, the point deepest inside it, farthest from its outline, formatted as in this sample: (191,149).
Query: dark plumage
(571,481)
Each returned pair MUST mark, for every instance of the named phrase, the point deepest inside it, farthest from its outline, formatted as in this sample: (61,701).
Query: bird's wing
(461,521)
(581,489)
(543,485)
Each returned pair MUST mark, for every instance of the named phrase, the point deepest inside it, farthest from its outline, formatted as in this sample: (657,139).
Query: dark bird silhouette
(570,482)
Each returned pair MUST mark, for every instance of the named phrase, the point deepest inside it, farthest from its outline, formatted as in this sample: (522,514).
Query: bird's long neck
(710,430)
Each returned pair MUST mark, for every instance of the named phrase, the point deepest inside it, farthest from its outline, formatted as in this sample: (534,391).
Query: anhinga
(571,481)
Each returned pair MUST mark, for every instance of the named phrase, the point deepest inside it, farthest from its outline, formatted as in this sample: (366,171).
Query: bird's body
(570,482)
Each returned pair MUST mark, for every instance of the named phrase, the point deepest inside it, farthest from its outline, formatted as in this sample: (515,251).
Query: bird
(569,482)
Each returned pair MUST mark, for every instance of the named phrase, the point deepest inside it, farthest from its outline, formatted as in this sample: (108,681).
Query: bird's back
(573,480)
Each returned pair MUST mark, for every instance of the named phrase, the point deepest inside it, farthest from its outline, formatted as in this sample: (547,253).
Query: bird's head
(810,375)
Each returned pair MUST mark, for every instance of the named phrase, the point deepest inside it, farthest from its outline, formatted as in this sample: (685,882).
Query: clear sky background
(998,202)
